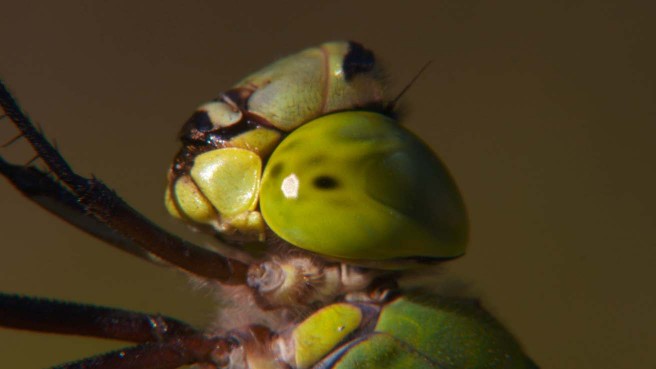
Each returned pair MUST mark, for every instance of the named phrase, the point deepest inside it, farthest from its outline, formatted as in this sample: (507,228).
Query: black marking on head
(325,182)
(241,127)
(357,60)
(238,96)
(198,124)
(197,138)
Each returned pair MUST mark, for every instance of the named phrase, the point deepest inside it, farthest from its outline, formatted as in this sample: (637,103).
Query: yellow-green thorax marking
(411,331)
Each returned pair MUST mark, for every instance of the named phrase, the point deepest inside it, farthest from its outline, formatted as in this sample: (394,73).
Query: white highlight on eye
(289,186)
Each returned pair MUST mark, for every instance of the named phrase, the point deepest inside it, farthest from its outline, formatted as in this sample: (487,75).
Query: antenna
(405,89)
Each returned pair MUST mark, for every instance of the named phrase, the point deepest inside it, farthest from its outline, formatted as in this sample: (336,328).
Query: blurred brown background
(544,112)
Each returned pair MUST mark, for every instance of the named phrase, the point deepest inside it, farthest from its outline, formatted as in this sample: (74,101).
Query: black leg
(166,342)
(167,355)
(45,191)
(112,219)
(52,316)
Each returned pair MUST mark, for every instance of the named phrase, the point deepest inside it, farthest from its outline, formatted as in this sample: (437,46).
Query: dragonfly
(322,202)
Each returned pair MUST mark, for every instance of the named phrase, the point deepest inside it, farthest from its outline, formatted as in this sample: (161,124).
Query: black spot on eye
(276,169)
(325,183)
(357,60)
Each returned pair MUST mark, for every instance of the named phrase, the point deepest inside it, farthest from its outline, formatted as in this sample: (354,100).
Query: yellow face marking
(191,201)
(229,178)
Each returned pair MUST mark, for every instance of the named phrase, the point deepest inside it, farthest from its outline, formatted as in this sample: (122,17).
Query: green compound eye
(356,185)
